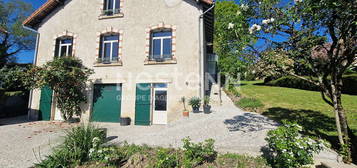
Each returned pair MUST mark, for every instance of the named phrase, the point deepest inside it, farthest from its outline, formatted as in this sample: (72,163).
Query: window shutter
(57,48)
(105,5)
(70,50)
(101,46)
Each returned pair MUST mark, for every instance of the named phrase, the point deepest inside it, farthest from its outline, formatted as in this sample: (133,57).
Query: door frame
(153,96)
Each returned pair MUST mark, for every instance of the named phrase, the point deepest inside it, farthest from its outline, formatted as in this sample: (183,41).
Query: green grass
(249,103)
(305,107)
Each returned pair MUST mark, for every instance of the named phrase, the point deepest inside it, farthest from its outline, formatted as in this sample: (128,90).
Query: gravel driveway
(22,142)
(233,130)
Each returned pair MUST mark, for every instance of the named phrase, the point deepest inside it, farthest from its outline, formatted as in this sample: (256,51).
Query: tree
(13,37)
(231,38)
(66,76)
(319,40)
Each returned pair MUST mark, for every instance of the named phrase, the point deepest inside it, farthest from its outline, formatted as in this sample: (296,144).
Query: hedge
(349,84)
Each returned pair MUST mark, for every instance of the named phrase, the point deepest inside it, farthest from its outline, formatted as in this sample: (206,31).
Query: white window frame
(111,42)
(64,45)
(162,38)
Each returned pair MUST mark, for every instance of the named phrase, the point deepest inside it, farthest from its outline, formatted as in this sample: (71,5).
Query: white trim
(161,43)
(67,45)
(111,42)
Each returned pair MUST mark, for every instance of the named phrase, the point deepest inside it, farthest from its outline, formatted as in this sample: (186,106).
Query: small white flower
(267,21)
(244,7)
(230,26)
(239,12)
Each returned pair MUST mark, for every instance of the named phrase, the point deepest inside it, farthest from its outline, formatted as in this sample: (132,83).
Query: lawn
(305,107)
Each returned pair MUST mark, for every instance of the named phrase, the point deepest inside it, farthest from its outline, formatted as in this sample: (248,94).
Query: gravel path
(22,142)
(233,130)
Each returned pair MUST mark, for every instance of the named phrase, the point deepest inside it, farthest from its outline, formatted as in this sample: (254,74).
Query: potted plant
(206,106)
(99,60)
(195,103)
(185,112)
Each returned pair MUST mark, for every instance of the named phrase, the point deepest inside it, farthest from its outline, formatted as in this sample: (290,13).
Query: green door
(142,104)
(106,103)
(45,104)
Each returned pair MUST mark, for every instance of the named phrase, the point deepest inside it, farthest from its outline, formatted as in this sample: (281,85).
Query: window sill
(118,15)
(149,62)
(108,65)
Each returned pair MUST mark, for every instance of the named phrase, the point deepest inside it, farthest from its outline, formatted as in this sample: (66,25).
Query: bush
(349,83)
(196,154)
(293,82)
(233,90)
(249,103)
(165,159)
(289,149)
(75,149)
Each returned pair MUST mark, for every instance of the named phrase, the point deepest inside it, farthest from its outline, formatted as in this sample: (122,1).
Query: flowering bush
(289,149)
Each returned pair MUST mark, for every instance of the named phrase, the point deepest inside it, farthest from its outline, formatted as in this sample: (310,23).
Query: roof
(36,18)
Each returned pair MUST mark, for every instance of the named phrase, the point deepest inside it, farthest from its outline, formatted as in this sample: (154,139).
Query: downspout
(201,49)
(34,63)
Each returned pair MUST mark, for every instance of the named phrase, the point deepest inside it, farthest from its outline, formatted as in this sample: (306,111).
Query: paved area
(234,130)
(23,143)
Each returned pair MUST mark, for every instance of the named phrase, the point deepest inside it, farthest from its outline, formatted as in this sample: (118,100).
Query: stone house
(146,55)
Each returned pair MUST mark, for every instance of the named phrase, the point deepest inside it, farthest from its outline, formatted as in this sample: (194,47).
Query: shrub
(75,149)
(109,155)
(293,82)
(289,149)
(196,154)
(349,83)
(249,103)
(233,90)
(195,102)
(165,159)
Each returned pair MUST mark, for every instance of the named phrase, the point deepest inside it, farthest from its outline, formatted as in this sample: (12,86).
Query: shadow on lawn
(313,122)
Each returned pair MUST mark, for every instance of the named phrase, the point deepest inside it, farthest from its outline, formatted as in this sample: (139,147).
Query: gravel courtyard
(234,130)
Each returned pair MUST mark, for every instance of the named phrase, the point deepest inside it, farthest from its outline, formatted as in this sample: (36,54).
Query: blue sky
(27,56)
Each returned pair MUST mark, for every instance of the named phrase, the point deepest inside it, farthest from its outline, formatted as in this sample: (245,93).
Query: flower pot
(195,109)
(207,109)
(125,121)
(186,113)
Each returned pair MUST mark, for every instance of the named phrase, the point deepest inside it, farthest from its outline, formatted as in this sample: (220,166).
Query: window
(161,45)
(64,47)
(111,7)
(109,48)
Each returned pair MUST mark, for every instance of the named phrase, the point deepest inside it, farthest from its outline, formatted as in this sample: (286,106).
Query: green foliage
(249,103)
(231,37)
(67,77)
(293,82)
(289,149)
(13,37)
(195,102)
(196,154)
(233,90)
(206,100)
(75,149)
(349,81)
(12,77)
(108,155)
(166,159)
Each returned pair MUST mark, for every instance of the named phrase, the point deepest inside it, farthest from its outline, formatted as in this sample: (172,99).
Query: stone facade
(83,20)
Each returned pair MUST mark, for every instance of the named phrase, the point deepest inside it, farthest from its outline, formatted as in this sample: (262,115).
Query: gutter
(34,63)
(201,49)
